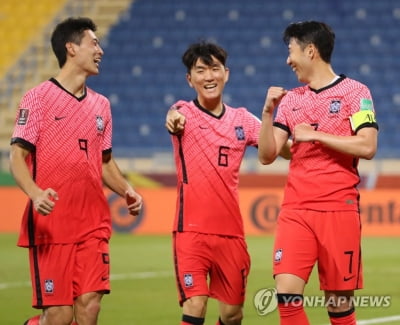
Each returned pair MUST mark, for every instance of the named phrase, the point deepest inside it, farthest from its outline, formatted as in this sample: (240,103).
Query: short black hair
(203,50)
(312,32)
(69,30)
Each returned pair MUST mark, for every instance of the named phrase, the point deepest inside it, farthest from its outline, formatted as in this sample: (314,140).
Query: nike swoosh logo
(296,109)
(348,278)
(104,278)
(203,127)
(57,118)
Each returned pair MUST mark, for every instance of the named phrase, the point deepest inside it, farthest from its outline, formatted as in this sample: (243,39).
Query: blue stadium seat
(143,73)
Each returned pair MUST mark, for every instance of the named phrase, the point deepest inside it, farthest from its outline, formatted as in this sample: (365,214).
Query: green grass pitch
(143,286)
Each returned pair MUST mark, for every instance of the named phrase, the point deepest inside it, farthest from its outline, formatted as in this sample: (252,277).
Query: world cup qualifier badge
(23,116)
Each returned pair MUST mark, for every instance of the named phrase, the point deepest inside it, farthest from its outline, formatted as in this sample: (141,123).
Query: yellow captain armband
(361,118)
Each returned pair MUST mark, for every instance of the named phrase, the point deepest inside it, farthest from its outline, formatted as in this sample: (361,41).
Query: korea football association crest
(99,124)
(239,132)
(48,286)
(188,280)
(335,106)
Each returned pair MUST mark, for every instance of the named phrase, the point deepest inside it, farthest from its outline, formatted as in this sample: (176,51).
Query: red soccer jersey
(208,156)
(66,136)
(321,178)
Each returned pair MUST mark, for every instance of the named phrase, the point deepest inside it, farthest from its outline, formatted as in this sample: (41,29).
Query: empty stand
(26,58)
(20,23)
(143,73)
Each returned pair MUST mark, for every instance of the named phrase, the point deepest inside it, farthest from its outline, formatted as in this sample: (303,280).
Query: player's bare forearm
(266,142)
(113,177)
(273,141)
(285,151)
(43,199)
(362,145)
(20,171)
(115,180)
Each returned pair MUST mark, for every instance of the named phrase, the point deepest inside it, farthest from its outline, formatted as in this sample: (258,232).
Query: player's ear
(70,48)
(226,74)
(189,79)
(311,50)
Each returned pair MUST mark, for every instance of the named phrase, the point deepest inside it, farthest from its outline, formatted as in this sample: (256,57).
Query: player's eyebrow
(96,40)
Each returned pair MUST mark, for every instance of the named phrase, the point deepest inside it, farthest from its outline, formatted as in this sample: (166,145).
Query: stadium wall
(380,210)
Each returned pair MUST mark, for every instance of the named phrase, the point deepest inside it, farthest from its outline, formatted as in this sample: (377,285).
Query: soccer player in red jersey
(332,122)
(60,157)
(209,141)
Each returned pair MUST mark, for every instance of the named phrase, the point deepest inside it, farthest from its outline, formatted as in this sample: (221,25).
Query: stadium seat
(142,65)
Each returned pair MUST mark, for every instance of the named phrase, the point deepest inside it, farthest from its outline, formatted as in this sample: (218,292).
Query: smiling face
(208,81)
(87,55)
(300,59)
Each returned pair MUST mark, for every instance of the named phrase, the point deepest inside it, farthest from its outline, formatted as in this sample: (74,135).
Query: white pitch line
(8,285)
(114,277)
(141,275)
(380,320)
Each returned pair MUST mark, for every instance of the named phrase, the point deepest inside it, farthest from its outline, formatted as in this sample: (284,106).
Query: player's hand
(175,121)
(273,98)
(304,132)
(134,202)
(44,203)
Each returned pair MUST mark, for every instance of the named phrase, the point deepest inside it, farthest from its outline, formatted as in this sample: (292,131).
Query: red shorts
(62,272)
(211,265)
(331,238)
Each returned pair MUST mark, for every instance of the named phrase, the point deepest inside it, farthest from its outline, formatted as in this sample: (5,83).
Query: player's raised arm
(272,140)
(174,121)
